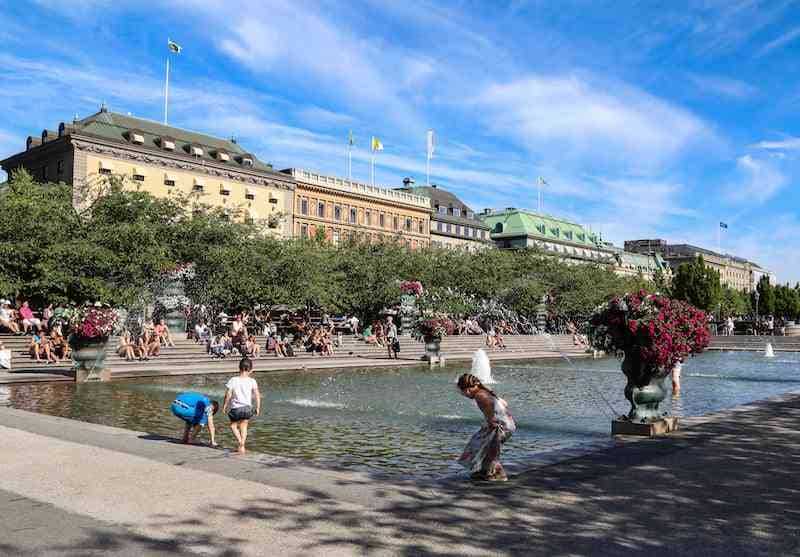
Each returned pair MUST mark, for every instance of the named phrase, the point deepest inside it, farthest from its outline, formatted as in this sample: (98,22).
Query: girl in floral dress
(482,454)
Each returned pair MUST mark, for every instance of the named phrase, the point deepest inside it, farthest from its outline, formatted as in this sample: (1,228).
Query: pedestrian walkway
(723,486)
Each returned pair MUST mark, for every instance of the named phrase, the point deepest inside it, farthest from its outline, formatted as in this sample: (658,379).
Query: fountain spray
(614,413)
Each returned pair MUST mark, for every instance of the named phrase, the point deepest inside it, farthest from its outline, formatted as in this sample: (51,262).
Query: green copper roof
(518,222)
(114,126)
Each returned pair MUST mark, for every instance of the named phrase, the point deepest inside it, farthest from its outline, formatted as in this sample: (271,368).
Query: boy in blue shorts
(196,410)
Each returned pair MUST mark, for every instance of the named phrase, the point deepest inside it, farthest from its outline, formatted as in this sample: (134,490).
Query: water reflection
(413,420)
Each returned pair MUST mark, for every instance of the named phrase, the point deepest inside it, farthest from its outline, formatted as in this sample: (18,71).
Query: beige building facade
(735,272)
(346,210)
(160,160)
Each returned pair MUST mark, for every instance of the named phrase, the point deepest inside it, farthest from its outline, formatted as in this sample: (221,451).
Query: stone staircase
(189,357)
(755,343)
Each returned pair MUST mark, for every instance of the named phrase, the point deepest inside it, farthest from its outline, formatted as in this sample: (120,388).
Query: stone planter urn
(433,346)
(89,359)
(644,389)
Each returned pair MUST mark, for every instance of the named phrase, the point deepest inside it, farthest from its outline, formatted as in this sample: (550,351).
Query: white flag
(431,144)
(174,47)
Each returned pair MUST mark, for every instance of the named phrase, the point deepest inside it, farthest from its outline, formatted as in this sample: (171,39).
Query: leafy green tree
(766,299)
(698,285)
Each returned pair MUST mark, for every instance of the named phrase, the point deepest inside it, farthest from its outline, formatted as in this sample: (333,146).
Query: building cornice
(365,196)
(177,162)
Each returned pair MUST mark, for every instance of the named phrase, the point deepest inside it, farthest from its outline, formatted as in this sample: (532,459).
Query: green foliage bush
(122,239)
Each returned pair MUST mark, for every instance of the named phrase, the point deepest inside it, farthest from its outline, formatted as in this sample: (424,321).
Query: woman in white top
(239,398)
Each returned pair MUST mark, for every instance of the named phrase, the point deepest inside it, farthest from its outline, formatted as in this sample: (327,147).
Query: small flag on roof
(723,225)
(376,144)
(174,47)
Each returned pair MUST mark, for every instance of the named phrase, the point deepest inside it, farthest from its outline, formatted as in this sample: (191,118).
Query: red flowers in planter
(434,328)
(411,287)
(666,331)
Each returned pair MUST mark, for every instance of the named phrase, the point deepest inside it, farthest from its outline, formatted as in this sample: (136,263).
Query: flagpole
(166,92)
(372,168)
(428,171)
(539,194)
(719,239)
(349,162)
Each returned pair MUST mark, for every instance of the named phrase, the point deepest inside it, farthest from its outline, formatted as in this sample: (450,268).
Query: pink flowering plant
(92,322)
(664,331)
(434,328)
(411,287)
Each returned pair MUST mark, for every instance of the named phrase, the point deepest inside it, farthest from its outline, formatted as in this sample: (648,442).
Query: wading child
(239,394)
(196,410)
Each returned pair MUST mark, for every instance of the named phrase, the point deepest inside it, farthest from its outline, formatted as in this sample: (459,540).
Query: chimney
(408,182)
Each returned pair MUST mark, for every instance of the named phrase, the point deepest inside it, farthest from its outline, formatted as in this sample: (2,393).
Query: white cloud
(784,39)
(593,122)
(364,72)
(788,144)
(316,116)
(760,181)
(723,86)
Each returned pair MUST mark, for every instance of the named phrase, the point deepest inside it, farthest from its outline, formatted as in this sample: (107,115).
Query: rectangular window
(439,226)
(353,215)
(60,167)
(223,190)
(467,231)
(197,188)
(336,237)
(197,151)
(458,229)
(168,182)
(169,145)
(337,212)
(304,231)
(249,194)
(568,235)
(137,138)
(540,228)
(408,223)
(396,222)
(382,221)
(442,210)
(449,227)
(321,209)
(138,177)
(368,217)
(421,226)
(304,207)
(456,211)
(470,215)
(483,234)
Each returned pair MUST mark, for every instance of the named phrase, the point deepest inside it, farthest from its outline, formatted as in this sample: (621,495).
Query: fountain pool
(413,421)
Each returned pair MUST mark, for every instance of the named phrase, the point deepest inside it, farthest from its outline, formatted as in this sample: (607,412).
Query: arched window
(498,228)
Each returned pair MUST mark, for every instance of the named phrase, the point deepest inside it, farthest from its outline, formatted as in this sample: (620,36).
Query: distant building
(736,272)
(344,209)
(518,228)
(160,160)
(453,223)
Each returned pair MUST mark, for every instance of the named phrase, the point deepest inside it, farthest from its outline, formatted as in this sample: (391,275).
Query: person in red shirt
(28,320)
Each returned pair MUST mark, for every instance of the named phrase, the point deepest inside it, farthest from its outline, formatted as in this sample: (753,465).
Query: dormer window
(470,215)
(196,151)
(168,143)
(223,156)
(137,137)
(247,161)
(442,210)
(456,211)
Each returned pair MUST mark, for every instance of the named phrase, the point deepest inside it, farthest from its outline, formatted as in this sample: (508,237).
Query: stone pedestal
(648,429)
(86,376)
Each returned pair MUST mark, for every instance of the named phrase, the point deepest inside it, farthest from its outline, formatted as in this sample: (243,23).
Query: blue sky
(647,119)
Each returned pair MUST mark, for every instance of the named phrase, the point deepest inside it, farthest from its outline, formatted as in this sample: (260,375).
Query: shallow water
(403,420)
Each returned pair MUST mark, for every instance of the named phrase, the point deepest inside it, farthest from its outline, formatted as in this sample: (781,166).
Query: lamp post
(756,295)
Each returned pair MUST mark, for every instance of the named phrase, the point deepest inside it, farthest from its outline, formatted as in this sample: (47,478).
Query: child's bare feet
(241,449)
